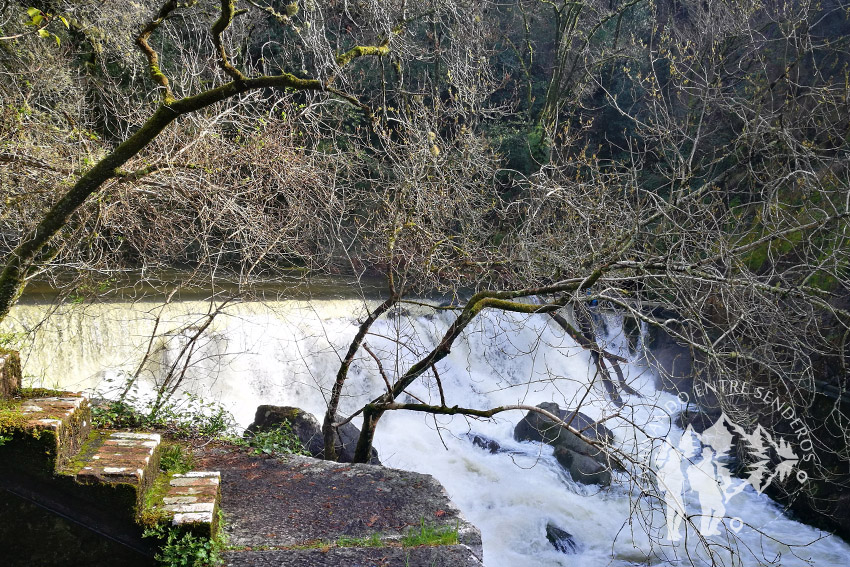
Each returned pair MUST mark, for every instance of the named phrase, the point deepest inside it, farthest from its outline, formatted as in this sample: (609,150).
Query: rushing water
(287,353)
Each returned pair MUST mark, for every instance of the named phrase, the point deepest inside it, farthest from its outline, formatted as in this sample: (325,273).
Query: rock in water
(582,468)
(309,431)
(698,420)
(485,443)
(586,463)
(561,540)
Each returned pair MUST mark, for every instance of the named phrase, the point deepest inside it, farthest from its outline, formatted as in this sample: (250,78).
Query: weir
(287,353)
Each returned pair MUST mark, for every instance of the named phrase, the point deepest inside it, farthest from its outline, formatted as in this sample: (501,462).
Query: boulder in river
(697,419)
(586,462)
(562,540)
(582,468)
(309,431)
(485,443)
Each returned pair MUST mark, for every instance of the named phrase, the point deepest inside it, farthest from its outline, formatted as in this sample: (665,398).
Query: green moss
(11,418)
(757,258)
(13,364)
(87,450)
(29,393)
(152,512)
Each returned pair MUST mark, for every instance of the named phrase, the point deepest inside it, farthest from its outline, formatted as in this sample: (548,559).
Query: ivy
(180,548)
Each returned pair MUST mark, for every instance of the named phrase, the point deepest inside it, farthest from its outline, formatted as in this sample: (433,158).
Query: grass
(176,458)
(373,540)
(430,535)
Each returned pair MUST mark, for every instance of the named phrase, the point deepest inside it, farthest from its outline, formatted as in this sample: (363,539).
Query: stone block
(192,501)
(10,373)
(116,470)
(45,432)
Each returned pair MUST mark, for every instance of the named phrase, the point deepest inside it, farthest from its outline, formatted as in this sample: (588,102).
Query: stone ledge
(53,412)
(192,501)
(45,431)
(122,457)
(275,507)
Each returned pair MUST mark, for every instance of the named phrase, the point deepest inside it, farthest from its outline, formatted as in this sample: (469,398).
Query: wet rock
(305,425)
(309,431)
(698,420)
(346,443)
(582,468)
(485,443)
(562,540)
(587,463)
(538,427)
(671,360)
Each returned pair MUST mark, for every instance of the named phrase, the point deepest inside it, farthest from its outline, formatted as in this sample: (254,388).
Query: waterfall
(288,352)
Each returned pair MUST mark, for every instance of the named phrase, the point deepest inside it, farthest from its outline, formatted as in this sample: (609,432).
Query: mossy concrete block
(292,500)
(10,373)
(192,502)
(43,433)
(115,470)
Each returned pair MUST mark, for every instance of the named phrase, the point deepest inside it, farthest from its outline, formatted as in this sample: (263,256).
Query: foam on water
(287,353)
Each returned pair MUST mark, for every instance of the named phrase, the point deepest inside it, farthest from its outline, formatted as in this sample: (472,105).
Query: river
(287,352)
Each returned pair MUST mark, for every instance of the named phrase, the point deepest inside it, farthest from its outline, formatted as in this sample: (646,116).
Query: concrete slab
(46,431)
(442,556)
(277,504)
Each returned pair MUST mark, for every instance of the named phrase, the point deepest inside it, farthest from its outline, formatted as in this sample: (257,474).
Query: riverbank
(299,511)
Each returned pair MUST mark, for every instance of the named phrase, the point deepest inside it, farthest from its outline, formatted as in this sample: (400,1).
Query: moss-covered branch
(344,59)
(284,18)
(150,53)
(225,18)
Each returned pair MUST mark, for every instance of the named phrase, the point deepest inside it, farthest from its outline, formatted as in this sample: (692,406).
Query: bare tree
(716,212)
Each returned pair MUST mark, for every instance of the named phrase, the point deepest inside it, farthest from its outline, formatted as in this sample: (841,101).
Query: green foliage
(280,440)
(188,418)
(185,549)
(116,415)
(175,458)
(40,20)
(91,289)
(430,535)
(11,340)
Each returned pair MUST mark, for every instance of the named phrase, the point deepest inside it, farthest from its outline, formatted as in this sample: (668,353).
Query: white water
(286,353)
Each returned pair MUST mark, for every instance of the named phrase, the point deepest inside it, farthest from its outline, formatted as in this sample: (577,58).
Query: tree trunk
(328,429)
